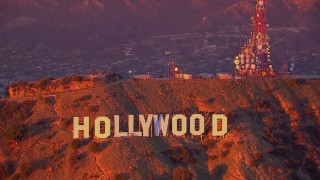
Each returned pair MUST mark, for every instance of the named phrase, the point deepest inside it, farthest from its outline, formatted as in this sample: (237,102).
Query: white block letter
(193,130)
(131,127)
(117,132)
(161,124)
(97,127)
(183,124)
(77,127)
(224,124)
(145,124)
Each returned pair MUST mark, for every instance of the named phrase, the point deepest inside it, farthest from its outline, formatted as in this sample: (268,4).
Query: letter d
(224,128)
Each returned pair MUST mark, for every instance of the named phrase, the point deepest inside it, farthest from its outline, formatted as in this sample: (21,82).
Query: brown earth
(273,127)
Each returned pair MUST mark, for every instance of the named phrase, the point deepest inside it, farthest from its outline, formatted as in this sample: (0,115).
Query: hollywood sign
(160,127)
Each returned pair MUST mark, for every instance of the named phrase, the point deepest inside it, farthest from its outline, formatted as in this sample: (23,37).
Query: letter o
(183,130)
(106,133)
(193,130)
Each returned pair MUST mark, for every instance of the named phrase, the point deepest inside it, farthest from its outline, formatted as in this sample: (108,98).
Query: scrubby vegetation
(48,100)
(119,176)
(226,148)
(94,147)
(257,158)
(269,136)
(3,171)
(77,78)
(227,145)
(66,122)
(16,176)
(181,173)
(15,131)
(13,115)
(84,98)
(65,81)
(72,157)
(14,111)
(7,168)
(75,144)
(43,83)
(20,84)
(26,168)
(93,108)
(262,105)
(49,85)
(180,155)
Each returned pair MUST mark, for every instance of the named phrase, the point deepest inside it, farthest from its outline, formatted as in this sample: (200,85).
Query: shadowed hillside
(273,127)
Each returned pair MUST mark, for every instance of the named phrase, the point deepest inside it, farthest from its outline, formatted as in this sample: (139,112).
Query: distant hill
(273,125)
(95,24)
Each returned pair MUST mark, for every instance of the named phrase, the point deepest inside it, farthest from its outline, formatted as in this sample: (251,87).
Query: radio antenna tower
(254,57)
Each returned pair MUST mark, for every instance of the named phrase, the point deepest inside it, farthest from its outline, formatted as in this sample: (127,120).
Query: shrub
(16,176)
(66,122)
(3,172)
(181,173)
(7,168)
(47,100)
(23,111)
(20,84)
(214,157)
(72,157)
(210,100)
(77,78)
(257,158)
(183,155)
(51,135)
(297,102)
(269,136)
(227,145)
(85,175)
(85,98)
(93,109)
(57,156)
(280,151)
(14,111)
(119,176)
(197,149)
(43,83)
(225,153)
(15,131)
(252,163)
(26,169)
(311,167)
(65,81)
(94,147)
(208,143)
(150,177)
(75,144)
(18,116)
(262,105)
(308,112)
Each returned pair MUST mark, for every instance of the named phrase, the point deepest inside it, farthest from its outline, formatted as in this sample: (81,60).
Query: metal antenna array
(254,57)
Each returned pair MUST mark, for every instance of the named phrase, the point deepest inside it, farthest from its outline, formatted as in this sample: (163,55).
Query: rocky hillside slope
(272,132)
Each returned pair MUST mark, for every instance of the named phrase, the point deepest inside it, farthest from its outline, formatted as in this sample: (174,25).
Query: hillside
(272,133)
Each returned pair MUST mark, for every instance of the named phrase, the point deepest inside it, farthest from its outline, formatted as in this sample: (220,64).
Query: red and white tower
(254,57)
